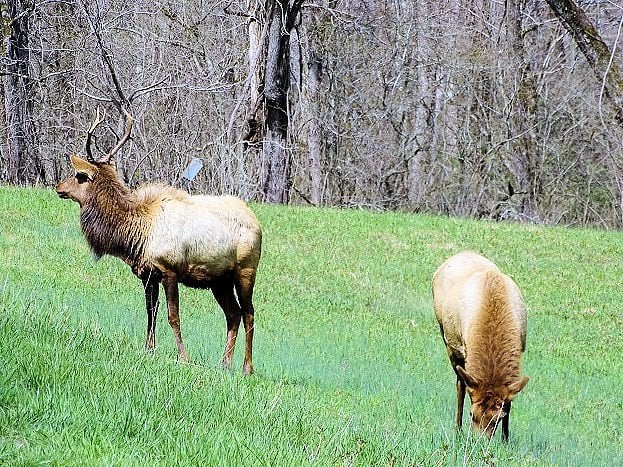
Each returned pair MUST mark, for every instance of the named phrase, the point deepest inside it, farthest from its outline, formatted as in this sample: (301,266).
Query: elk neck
(494,346)
(111,220)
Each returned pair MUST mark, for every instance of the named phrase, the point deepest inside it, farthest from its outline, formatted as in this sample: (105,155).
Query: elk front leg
(171,290)
(460,400)
(151,283)
(505,420)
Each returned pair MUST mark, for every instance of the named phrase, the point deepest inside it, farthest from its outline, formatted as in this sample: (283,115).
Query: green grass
(350,367)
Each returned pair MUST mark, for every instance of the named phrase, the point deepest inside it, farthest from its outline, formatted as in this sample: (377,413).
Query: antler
(128,129)
(94,124)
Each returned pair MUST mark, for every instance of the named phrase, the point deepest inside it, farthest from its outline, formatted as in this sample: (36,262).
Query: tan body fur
(482,317)
(203,237)
(170,237)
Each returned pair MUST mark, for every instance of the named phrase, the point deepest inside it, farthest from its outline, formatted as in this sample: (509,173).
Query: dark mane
(110,219)
(494,354)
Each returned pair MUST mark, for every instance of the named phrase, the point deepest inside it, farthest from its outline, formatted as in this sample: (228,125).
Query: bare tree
(276,151)
(23,165)
(597,53)
(310,96)
(524,158)
(605,66)
(427,106)
(417,162)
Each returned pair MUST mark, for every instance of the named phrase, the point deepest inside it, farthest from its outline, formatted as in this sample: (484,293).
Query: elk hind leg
(223,292)
(460,386)
(245,280)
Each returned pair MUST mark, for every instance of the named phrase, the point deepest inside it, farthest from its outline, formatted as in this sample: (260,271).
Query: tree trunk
(276,153)
(310,113)
(254,131)
(524,161)
(417,164)
(256,10)
(23,165)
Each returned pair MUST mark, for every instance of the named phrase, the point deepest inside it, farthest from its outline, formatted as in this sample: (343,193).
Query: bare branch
(94,124)
(106,56)
(128,129)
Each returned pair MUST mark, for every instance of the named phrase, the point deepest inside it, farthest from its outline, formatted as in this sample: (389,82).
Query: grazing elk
(482,318)
(169,237)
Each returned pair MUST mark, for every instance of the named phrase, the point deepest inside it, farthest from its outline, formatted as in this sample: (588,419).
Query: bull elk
(169,237)
(482,318)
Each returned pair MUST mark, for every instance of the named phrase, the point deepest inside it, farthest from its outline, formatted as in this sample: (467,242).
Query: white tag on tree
(193,169)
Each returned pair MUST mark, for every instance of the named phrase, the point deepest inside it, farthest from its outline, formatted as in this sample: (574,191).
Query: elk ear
(469,381)
(84,167)
(515,387)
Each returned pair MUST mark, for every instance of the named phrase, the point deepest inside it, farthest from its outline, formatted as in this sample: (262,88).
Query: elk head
(489,405)
(78,186)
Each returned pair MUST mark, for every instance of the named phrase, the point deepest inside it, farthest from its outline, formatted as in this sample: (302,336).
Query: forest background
(491,109)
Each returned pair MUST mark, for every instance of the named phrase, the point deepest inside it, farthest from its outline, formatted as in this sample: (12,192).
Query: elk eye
(81,177)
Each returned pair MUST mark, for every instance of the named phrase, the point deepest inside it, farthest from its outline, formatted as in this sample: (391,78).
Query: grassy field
(350,367)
